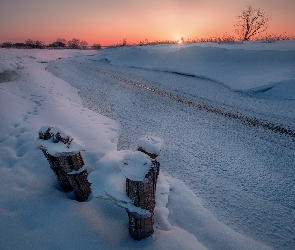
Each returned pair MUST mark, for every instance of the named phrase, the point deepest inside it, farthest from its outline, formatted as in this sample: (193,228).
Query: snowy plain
(224,184)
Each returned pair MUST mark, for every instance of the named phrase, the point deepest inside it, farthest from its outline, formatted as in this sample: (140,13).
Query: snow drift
(35,213)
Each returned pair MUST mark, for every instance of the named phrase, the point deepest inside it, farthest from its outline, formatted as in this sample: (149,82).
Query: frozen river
(243,173)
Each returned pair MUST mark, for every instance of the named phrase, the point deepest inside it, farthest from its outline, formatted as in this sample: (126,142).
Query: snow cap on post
(150,145)
(57,142)
(135,166)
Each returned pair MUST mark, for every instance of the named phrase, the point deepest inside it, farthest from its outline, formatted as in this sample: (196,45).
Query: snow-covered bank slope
(35,214)
(242,67)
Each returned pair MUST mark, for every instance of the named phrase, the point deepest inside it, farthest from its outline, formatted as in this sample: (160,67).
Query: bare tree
(59,43)
(96,46)
(74,43)
(29,42)
(61,40)
(83,44)
(124,42)
(39,44)
(251,22)
(34,44)
(6,45)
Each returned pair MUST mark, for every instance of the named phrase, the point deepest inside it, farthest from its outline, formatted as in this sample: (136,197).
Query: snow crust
(32,205)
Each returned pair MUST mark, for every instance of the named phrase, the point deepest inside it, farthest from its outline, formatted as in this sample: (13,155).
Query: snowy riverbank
(35,214)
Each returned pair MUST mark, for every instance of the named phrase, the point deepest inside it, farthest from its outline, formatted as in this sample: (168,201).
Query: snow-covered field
(225,183)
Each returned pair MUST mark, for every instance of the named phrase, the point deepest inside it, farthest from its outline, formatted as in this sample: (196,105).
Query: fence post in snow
(58,171)
(65,160)
(142,193)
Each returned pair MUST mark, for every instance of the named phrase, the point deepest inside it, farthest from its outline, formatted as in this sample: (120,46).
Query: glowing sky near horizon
(109,21)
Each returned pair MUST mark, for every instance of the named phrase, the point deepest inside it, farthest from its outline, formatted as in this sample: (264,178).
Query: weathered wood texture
(80,184)
(143,195)
(68,169)
(140,228)
(61,175)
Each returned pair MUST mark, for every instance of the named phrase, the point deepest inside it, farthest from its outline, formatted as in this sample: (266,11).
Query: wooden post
(80,184)
(68,167)
(152,147)
(153,157)
(61,175)
(72,165)
(143,195)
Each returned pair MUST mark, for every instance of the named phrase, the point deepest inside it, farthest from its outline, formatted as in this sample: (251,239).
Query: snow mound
(5,67)
(135,165)
(150,144)
(283,90)
(8,71)
(109,179)
(242,67)
(7,76)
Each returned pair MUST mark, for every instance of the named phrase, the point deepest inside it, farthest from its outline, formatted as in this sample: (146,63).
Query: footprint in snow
(3,138)
(16,125)
(22,130)
(22,150)
(21,147)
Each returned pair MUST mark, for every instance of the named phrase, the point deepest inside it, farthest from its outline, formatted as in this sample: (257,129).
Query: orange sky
(109,21)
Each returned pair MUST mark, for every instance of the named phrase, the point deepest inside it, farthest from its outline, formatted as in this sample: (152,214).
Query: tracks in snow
(250,121)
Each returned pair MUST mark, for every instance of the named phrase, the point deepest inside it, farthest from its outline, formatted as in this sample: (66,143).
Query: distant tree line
(60,43)
(249,26)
